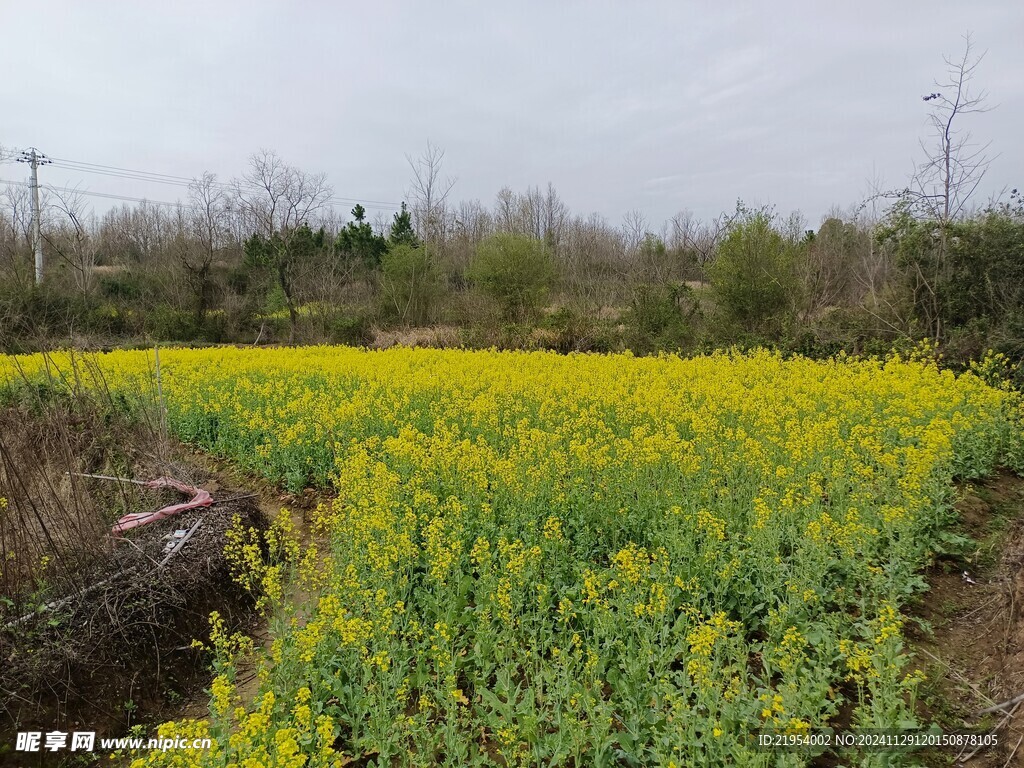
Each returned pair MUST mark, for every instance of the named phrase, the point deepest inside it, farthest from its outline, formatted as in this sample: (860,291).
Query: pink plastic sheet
(200,498)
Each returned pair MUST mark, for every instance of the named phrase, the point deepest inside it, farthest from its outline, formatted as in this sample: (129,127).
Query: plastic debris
(200,498)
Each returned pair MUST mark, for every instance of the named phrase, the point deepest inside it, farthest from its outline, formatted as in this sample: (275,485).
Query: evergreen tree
(402,232)
(283,254)
(358,242)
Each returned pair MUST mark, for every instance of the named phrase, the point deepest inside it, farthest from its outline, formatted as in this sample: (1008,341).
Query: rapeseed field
(535,559)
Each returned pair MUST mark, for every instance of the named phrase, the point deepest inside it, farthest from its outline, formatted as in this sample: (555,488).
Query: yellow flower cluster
(673,551)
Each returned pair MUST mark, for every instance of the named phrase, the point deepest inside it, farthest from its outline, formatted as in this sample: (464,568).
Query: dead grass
(438,336)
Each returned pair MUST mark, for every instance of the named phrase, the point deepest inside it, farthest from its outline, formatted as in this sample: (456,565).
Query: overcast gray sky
(627,105)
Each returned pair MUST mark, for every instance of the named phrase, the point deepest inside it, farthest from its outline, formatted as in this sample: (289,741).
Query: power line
(121,175)
(107,195)
(125,170)
(94,194)
(183,181)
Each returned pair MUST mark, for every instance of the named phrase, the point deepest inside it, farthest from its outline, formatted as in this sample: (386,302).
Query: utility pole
(35,158)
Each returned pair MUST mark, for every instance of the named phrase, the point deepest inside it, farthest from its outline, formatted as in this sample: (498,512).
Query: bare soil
(271,501)
(974,652)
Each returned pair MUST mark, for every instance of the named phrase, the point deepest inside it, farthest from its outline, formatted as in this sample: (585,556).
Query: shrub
(166,323)
(574,331)
(662,317)
(410,284)
(516,271)
(351,330)
(753,276)
(35,317)
(124,285)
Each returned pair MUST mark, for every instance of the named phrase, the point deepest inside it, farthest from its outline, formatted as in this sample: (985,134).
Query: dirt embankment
(974,654)
(117,651)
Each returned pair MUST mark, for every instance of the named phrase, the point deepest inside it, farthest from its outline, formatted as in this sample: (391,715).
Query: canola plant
(536,559)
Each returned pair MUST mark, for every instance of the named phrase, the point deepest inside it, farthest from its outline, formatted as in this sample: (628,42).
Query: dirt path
(219,473)
(975,657)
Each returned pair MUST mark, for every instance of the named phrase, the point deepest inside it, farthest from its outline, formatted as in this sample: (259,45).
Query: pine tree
(358,241)
(402,232)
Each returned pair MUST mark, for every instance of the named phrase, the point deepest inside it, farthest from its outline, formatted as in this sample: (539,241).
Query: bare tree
(679,230)
(80,252)
(207,232)
(141,233)
(697,240)
(554,214)
(472,224)
(536,213)
(531,213)
(634,229)
(19,206)
(950,174)
(505,210)
(592,259)
(381,223)
(275,199)
(473,221)
(829,268)
(429,194)
(13,262)
(873,271)
(16,200)
(954,165)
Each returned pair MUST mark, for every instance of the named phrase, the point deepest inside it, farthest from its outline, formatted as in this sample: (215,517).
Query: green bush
(410,284)
(351,330)
(110,319)
(166,323)
(753,275)
(662,317)
(31,319)
(124,286)
(516,271)
(575,331)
